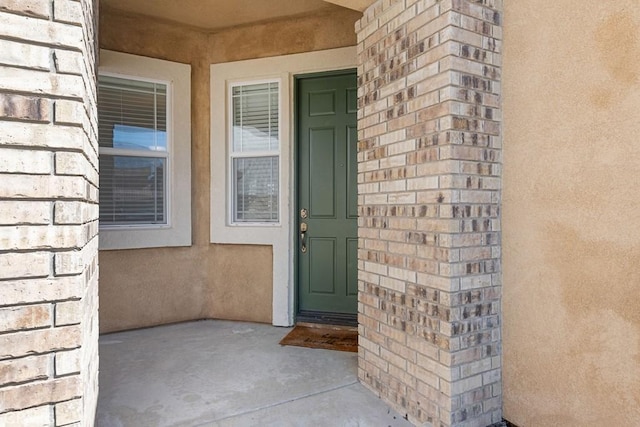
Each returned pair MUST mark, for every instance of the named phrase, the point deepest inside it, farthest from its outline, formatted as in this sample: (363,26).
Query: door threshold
(339,319)
(326,326)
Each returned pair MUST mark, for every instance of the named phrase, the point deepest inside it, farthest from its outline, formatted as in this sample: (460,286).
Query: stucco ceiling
(216,14)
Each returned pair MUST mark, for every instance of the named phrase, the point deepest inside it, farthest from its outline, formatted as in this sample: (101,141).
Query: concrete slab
(224,374)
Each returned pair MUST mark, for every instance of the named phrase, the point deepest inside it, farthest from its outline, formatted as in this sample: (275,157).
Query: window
(255,153)
(144,138)
(134,153)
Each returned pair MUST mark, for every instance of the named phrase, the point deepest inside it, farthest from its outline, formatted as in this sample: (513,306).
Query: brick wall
(429,196)
(48,213)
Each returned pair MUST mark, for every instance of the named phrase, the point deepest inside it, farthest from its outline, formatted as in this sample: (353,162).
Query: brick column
(48,213)
(429,196)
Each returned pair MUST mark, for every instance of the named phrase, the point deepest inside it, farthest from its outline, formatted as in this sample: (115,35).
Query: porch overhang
(359,5)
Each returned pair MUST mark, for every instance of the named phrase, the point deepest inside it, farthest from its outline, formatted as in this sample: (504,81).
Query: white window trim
(230,216)
(281,237)
(177,77)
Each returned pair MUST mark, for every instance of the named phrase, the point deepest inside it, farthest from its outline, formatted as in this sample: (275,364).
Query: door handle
(303,235)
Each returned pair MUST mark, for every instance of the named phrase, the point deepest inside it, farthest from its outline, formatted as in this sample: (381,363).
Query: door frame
(332,318)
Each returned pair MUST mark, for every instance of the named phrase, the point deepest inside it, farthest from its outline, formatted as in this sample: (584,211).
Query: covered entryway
(327,275)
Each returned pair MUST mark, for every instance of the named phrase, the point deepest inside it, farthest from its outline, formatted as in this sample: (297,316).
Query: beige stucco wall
(148,287)
(571,229)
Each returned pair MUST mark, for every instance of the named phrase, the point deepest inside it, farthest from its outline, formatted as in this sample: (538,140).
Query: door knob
(303,234)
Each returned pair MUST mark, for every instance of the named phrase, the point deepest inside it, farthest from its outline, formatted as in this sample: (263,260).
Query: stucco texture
(146,287)
(571,229)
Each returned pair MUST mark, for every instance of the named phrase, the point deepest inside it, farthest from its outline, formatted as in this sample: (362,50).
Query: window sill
(107,228)
(256,224)
(141,238)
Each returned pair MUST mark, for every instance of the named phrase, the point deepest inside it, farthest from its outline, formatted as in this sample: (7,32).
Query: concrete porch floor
(220,373)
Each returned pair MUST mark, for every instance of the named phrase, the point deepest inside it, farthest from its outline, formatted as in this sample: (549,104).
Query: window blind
(256,189)
(132,190)
(132,135)
(255,117)
(255,151)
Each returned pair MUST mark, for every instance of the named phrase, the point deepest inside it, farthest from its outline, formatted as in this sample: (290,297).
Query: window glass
(132,114)
(132,190)
(255,152)
(132,117)
(255,117)
(256,189)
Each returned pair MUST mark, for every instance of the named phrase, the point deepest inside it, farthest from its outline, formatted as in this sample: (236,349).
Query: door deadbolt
(303,213)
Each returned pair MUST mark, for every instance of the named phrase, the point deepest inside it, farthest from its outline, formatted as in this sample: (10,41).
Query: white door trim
(280,236)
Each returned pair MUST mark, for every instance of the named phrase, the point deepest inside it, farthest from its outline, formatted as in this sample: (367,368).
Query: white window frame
(168,155)
(280,238)
(251,154)
(177,229)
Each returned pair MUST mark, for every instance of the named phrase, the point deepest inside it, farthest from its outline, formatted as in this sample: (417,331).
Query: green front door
(327,196)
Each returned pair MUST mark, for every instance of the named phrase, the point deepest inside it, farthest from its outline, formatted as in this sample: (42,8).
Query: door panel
(327,189)
(322,263)
(352,100)
(322,103)
(322,187)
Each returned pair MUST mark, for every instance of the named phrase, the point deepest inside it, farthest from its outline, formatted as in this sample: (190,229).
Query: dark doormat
(328,337)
